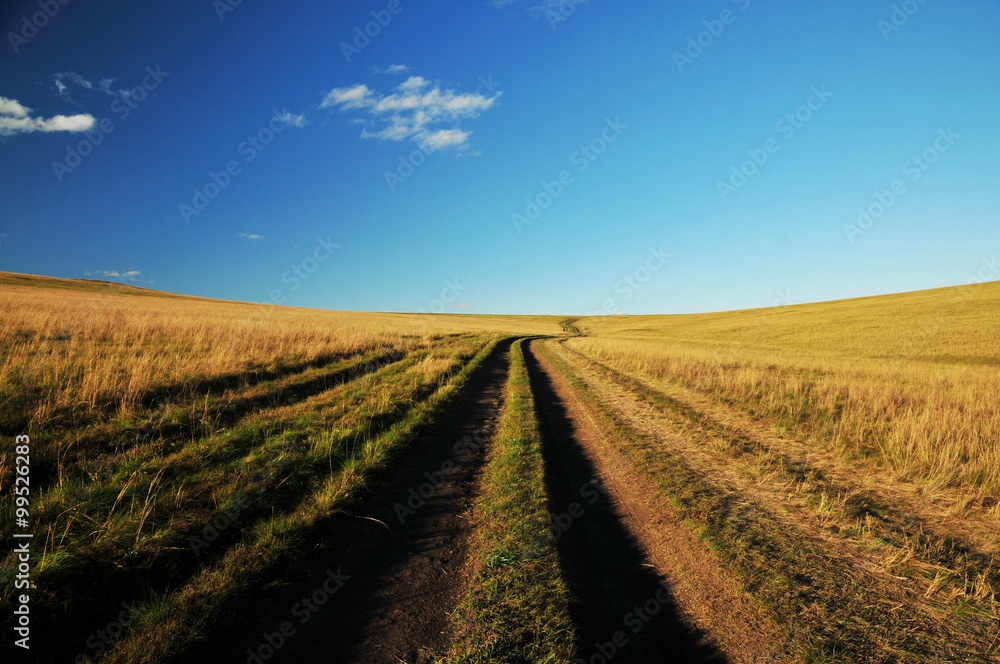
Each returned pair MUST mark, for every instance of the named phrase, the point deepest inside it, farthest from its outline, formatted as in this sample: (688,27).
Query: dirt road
(398,553)
(380,580)
(629,543)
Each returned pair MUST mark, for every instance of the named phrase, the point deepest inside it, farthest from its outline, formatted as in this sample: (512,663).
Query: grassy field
(839,461)
(180,443)
(847,450)
(907,381)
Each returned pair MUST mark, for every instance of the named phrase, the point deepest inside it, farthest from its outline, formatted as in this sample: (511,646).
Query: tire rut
(397,552)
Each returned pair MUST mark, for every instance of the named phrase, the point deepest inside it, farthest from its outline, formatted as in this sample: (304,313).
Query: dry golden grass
(150,415)
(78,346)
(910,381)
(847,449)
(850,569)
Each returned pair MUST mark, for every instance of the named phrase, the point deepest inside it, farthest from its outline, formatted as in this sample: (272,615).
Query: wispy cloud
(104,85)
(127,275)
(60,81)
(358,96)
(17,119)
(68,83)
(250,236)
(445,138)
(414,109)
(292,119)
(537,7)
(392,69)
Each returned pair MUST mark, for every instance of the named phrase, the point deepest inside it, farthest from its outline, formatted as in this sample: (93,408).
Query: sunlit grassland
(72,348)
(157,495)
(171,622)
(830,602)
(909,381)
(150,415)
(95,365)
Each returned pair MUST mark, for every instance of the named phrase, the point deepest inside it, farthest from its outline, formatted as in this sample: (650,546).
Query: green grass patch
(517,607)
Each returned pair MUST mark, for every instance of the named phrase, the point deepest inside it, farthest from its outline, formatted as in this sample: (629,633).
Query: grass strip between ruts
(517,607)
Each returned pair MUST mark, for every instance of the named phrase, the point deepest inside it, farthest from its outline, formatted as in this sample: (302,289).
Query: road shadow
(621,607)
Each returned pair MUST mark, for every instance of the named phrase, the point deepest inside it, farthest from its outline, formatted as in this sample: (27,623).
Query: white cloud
(347,98)
(414,83)
(129,275)
(77,81)
(413,110)
(72,77)
(16,119)
(293,120)
(104,85)
(250,236)
(12,108)
(444,138)
(538,7)
(393,69)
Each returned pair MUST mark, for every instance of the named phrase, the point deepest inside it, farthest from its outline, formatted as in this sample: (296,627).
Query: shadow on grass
(75,604)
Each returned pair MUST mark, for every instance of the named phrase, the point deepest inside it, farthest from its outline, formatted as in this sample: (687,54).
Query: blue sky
(503,157)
